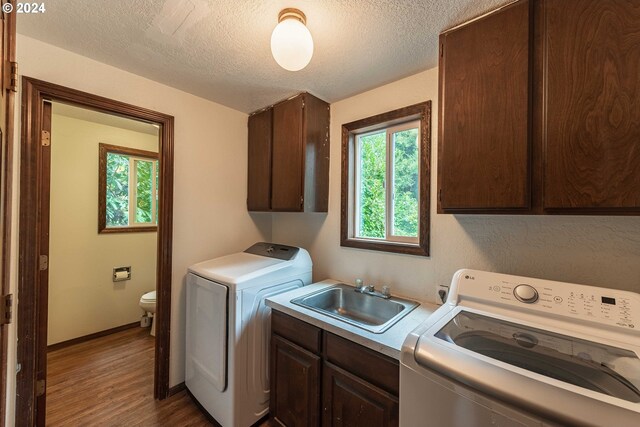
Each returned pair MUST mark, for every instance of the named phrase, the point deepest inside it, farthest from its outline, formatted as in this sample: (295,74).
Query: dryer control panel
(602,305)
(273,250)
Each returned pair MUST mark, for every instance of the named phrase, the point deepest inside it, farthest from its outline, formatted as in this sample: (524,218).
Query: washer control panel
(602,305)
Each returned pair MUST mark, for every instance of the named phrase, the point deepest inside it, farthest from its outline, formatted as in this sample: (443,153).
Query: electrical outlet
(442,293)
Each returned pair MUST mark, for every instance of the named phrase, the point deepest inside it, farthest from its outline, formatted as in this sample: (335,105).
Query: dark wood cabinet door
(316,153)
(350,401)
(295,387)
(259,176)
(592,105)
(485,113)
(288,159)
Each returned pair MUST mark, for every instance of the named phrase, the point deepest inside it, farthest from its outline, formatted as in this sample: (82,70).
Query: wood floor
(108,381)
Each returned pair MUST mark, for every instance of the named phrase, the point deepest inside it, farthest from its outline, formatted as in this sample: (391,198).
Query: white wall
(210,215)
(600,251)
(83,299)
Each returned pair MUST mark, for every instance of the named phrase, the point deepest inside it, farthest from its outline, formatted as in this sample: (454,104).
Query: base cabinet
(318,378)
(350,401)
(295,398)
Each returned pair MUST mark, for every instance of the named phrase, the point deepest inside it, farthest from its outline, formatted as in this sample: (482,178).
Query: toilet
(148,304)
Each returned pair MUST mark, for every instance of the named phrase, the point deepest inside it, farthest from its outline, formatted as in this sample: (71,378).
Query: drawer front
(301,333)
(378,369)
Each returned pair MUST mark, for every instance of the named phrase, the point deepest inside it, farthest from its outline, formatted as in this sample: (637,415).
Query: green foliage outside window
(405,184)
(144,196)
(117,190)
(373,150)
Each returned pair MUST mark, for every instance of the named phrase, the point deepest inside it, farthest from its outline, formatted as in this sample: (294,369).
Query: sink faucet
(371,290)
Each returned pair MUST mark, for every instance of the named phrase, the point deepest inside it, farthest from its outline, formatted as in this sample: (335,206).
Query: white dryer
(228,328)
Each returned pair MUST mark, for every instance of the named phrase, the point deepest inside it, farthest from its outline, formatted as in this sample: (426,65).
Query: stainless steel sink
(368,312)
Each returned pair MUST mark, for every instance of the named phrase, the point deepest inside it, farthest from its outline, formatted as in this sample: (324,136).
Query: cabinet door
(295,388)
(592,100)
(485,113)
(259,175)
(316,154)
(288,160)
(350,401)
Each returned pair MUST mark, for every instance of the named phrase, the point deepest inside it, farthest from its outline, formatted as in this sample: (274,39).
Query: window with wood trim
(385,181)
(128,190)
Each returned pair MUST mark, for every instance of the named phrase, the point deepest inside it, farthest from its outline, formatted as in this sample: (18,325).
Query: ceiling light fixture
(291,41)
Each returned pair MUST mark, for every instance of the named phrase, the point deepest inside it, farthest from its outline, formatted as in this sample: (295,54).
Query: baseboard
(176,389)
(262,422)
(206,414)
(78,340)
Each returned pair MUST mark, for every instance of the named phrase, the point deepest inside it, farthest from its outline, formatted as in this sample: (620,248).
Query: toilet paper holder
(121,273)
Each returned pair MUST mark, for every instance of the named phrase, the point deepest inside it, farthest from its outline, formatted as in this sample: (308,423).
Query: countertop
(388,342)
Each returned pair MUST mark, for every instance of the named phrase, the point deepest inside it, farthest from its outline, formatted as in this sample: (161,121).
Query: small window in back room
(386,184)
(128,196)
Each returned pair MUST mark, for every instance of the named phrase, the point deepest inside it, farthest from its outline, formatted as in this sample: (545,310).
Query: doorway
(35,237)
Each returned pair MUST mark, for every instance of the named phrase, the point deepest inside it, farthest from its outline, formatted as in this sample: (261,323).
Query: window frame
(134,154)
(391,122)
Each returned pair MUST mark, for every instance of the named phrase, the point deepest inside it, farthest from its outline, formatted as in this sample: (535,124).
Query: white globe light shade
(291,44)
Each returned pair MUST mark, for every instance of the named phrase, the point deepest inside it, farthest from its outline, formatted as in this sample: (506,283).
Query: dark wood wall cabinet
(289,156)
(540,110)
(321,379)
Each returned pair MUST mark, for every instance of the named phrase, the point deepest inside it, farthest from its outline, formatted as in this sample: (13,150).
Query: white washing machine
(512,351)
(228,328)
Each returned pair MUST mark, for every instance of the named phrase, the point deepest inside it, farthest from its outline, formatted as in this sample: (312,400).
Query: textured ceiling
(220,49)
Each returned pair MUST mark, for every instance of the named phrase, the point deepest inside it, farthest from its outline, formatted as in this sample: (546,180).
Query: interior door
(7,82)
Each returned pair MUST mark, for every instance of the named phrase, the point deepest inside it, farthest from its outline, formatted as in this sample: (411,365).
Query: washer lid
(595,366)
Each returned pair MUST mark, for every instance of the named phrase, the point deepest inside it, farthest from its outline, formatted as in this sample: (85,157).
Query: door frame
(34,178)
(6,182)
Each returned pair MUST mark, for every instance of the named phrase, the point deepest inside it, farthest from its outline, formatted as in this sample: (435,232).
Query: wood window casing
(420,112)
(104,150)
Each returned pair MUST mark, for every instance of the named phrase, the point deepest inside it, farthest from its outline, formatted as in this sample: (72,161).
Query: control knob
(526,294)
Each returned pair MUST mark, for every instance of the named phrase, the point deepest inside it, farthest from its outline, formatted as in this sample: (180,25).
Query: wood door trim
(6,163)
(42,276)
(34,92)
